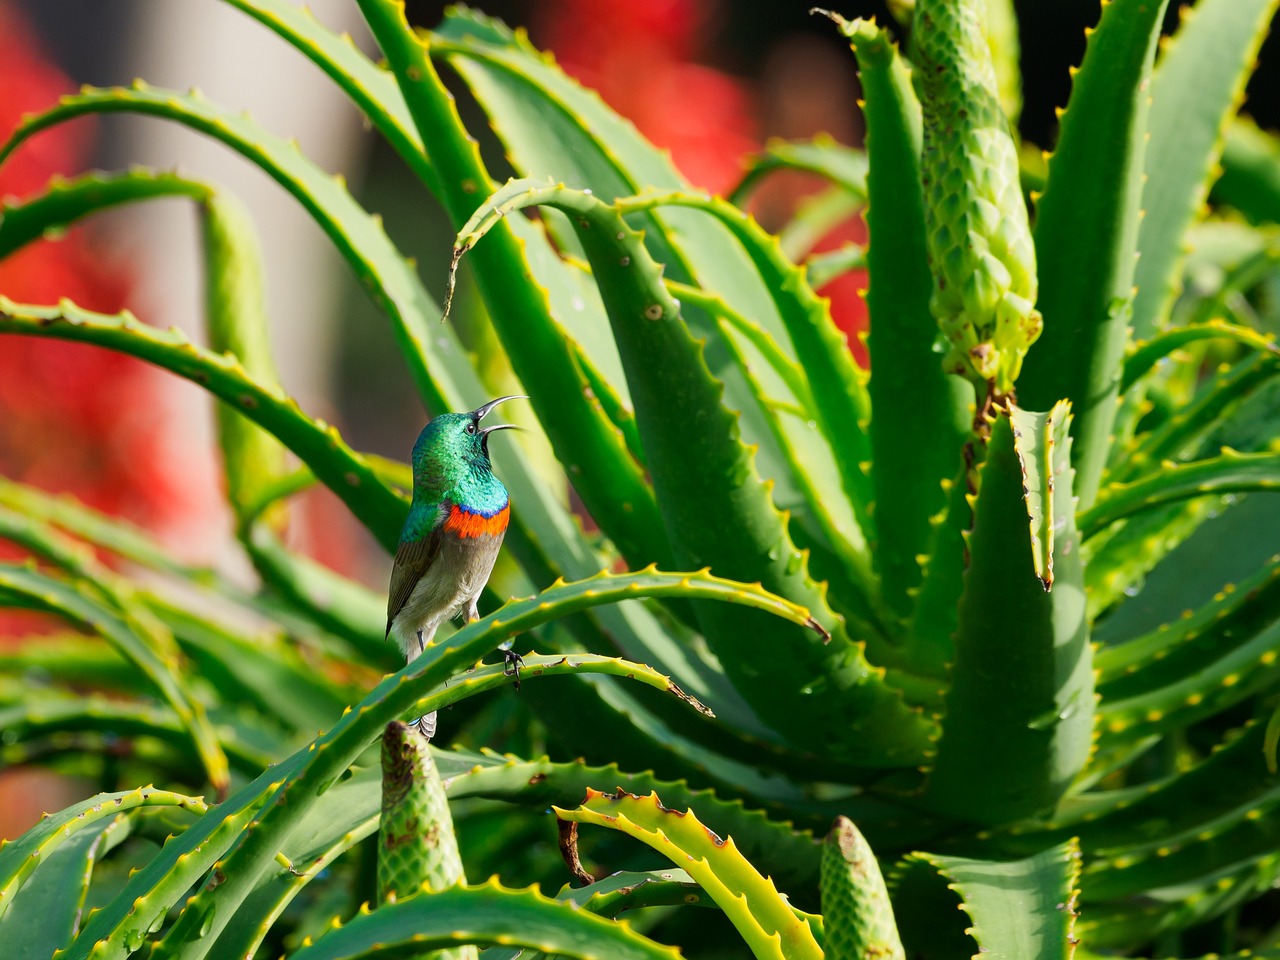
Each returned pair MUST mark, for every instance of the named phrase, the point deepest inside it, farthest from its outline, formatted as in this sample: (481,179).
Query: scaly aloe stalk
(855,904)
(980,249)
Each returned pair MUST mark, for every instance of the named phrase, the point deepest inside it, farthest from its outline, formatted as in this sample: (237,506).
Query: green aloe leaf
(1232,472)
(1190,110)
(487,914)
(1146,355)
(841,406)
(751,902)
(20,857)
(672,387)
(1015,910)
(552,127)
(1086,288)
(1023,673)
(137,636)
(844,166)
(787,854)
(65,201)
(48,908)
(371,88)
(293,786)
(375,504)
(236,315)
(1250,179)
(922,413)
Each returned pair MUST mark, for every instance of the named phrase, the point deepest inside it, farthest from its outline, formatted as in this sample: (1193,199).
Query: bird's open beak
(483,411)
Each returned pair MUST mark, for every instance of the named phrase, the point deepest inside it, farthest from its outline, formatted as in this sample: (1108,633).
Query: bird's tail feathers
(425,725)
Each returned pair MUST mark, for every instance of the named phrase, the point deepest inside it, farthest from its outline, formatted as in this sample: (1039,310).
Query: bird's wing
(413,558)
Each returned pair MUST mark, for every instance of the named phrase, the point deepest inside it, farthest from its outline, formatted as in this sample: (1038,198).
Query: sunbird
(451,536)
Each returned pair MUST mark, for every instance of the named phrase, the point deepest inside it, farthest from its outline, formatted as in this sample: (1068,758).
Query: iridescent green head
(452,451)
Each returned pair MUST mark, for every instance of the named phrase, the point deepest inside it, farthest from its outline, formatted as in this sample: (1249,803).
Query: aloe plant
(1001,607)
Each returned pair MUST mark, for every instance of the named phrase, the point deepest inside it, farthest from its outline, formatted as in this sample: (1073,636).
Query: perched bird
(452,535)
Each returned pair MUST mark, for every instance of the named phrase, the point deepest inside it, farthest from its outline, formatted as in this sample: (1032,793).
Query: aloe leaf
(296,783)
(1016,910)
(487,914)
(1182,647)
(671,386)
(345,815)
(377,506)
(1086,288)
(1239,672)
(1023,674)
(1147,354)
(1232,472)
(846,167)
(632,889)
(45,716)
(922,414)
(1225,841)
(822,268)
(236,316)
(1190,109)
(1250,180)
(614,490)
(855,903)
(751,902)
(814,217)
(48,908)
(552,127)
(370,87)
(841,406)
(1182,433)
(21,856)
(343,607)
(65,201)
(138,638)
(358,236)
(775,846)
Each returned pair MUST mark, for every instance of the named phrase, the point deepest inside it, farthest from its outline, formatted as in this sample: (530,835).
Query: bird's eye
(471,426)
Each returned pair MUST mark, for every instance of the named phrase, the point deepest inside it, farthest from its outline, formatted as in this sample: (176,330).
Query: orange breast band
(465,524)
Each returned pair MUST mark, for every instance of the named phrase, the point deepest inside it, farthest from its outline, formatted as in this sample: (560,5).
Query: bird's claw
(511,664)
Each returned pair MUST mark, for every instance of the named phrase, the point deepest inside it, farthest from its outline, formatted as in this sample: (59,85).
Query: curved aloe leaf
(65,201)
(785,853)
(1086,288)
(1232,677)
(1035,923)
(671,386)
(1250,179)
(755,907)
(922,413)
(487,914)
(48,908)
(840,402)
(370,87)
(855,903)
(1190,109)
(844,166)
(1147,354)
(236,315)
(1232,472)
(1023,674)
(293,786)
(345,815)
(375,504)
(18,858)
(139,638)
(1182,433)
(552,127)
